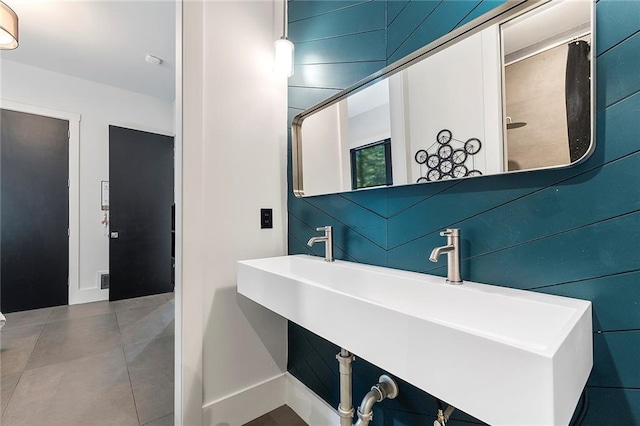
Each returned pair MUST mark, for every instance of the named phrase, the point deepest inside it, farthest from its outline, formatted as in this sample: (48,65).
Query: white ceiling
(544,23)
(102,41)
(370,98)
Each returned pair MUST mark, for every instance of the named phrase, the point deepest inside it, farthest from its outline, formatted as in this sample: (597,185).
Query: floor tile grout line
(32,350)
(11,400)
(49,321)
(158,418)
(71,359)
(126,363)
(12,393)
(49,316)
(5,329)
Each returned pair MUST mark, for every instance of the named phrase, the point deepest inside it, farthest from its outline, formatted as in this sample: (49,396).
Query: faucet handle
(323,228)
(450,232)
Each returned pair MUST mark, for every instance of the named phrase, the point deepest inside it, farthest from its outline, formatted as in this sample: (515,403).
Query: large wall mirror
(511,91)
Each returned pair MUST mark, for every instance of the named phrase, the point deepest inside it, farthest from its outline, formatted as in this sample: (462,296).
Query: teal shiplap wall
(573,232)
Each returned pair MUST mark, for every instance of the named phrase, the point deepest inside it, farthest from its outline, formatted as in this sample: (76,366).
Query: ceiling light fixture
(284,49)
(8,28)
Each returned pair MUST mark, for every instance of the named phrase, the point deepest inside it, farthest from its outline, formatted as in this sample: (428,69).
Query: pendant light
(283,65)
(8,28)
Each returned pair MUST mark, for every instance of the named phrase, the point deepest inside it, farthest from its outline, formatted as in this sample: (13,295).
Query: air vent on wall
(104,281)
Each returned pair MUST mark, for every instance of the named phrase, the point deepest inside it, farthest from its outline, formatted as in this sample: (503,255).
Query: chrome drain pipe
(345,409)
(386,388)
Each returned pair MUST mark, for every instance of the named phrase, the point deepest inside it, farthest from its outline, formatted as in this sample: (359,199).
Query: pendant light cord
(285,8)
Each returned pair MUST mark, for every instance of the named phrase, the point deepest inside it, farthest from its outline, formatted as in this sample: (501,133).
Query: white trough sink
(505,356)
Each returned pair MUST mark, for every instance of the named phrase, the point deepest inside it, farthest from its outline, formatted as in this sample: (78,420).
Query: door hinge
(68,232)
(68,134)
(68,183)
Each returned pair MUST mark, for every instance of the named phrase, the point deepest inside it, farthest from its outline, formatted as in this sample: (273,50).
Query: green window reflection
(371,165)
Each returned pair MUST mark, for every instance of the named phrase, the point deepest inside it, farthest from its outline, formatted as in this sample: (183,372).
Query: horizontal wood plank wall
(573,232)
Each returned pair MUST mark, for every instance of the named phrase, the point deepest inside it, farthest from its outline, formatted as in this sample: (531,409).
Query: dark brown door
(140,196)
(34,211)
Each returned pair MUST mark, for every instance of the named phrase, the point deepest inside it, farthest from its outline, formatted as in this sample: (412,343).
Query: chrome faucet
(327,238)
(453,255)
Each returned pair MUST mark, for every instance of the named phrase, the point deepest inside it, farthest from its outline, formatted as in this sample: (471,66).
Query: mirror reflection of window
(369,132)
(371,165)
(547,86)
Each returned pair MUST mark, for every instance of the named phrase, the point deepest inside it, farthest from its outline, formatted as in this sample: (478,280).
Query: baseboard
(309,406)
(248,404)
(88,295)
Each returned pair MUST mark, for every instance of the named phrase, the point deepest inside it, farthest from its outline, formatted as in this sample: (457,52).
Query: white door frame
(179,414)
(74,184)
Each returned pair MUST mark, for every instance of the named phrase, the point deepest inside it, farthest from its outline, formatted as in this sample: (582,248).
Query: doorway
(92,338)
(34,215)
(141,198)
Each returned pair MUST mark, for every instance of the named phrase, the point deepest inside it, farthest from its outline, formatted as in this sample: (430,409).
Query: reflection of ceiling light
(154,60)
(8,28)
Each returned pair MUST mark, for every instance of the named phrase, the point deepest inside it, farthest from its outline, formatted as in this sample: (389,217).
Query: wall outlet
(266,218)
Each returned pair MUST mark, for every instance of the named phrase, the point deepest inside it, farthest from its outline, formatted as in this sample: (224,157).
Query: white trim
(87,295)
(309,406)
(177,167)
(74,190)
(247,404)
(190,221)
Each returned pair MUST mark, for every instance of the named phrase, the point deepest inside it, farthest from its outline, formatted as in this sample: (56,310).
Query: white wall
(370,126)
(324,151)
(447,91)
(400,123)
(495,140)
(234,164)
(99,106)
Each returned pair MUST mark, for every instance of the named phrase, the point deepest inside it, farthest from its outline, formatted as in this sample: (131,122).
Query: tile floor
(282,416)
(102,363)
